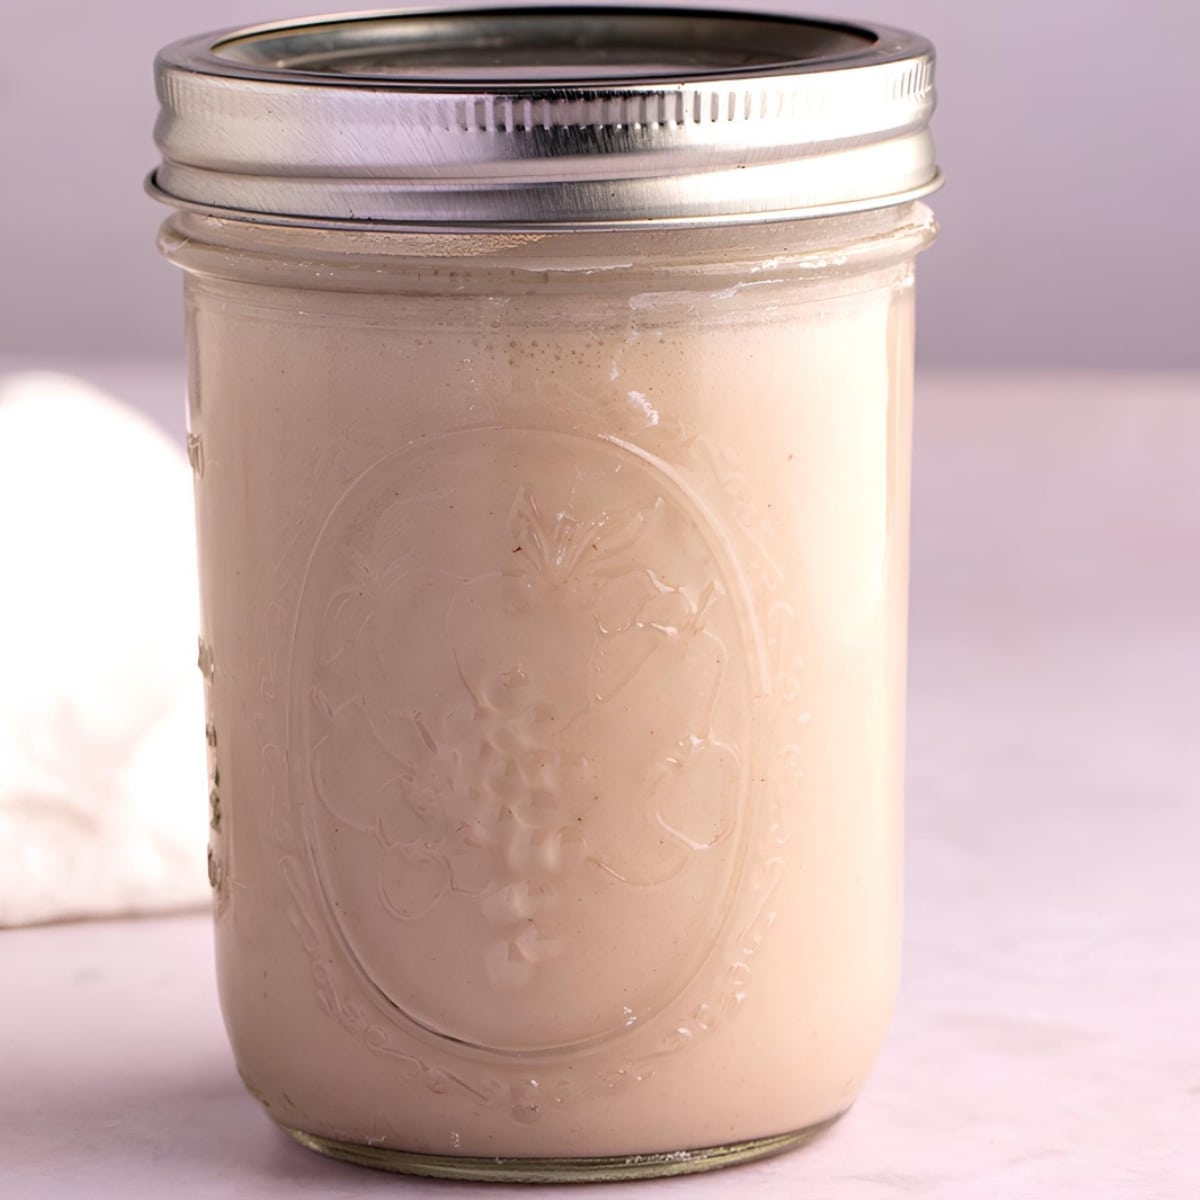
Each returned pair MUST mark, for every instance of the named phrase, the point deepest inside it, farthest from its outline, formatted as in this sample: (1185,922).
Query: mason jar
(549,404)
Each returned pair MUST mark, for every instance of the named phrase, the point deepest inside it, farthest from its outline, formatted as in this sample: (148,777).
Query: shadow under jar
(549,406)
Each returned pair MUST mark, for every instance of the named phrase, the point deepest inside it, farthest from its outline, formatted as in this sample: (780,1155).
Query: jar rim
(543,118)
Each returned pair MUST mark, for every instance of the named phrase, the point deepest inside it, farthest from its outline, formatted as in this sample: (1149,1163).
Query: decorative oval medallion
(520,736)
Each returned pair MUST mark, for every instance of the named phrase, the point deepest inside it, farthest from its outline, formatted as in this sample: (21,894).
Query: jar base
(607,1169)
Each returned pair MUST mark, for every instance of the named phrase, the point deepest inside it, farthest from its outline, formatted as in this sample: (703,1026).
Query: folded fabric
(102,756)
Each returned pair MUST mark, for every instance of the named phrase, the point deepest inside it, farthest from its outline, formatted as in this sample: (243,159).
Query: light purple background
(1067,129)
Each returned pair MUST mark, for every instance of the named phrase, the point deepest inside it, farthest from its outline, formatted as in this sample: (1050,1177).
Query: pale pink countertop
(1047,1042)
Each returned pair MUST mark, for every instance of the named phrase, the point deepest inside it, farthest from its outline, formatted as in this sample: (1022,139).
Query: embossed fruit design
(525,731)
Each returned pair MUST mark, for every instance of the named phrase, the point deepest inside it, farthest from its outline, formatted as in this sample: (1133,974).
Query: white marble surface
(1047,1042)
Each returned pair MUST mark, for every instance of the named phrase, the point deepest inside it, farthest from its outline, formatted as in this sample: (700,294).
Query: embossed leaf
(618,531)
(556,545)
(398,536)
(349,765)
(621,598)
(632,639)
(472,864)
(345,615)
(411,812)
(411,884)
(404,735)
(696,795)
(669,613)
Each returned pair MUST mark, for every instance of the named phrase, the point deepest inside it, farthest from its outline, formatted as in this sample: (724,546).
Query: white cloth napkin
(102,763)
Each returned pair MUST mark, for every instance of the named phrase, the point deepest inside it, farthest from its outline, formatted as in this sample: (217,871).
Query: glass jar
(554,575)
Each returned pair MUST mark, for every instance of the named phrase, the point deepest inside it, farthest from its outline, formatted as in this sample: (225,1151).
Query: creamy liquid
(554,628)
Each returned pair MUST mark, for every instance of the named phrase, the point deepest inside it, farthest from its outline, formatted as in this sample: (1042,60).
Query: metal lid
(544,118)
